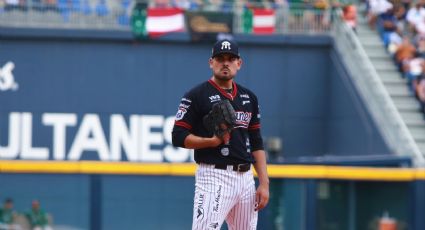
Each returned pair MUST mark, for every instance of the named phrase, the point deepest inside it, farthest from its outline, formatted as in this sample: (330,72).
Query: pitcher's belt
(236,167)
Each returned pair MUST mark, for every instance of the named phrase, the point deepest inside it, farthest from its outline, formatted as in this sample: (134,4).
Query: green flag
(247,18)
(138,22)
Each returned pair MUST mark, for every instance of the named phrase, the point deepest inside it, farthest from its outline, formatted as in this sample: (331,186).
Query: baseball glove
(221,118)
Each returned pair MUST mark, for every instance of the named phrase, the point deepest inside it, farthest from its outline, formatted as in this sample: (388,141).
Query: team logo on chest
(215,98)
(243,119)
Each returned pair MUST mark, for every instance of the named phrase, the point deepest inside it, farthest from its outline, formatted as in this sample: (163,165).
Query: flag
(164,20)
(259,21)
(138,22)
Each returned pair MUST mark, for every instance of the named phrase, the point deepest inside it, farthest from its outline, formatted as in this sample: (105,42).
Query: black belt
(236,167)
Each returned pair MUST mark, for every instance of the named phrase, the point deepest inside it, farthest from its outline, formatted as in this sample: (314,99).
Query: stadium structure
(88,96)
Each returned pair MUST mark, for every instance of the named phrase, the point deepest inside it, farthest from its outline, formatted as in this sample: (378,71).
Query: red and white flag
(160,21)
(264,21)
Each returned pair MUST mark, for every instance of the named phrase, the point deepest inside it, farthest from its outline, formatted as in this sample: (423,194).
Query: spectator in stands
(8,215)
(44,5)
(395,40)
(420,92)
(63,7)
(86,7)
(15,5)
(187,4)
(102,8)
(405,52)
(37,5)
(227,5)
(415,15)
(412,71)
(296,14)
(50,3)
(161,3)
(420,46)
(124,12)
(37,217)
(406,3)
(419,29)
(76,5)
(377,7)
(2,4)
(387,25)
(409,56)
(350,15)
(320,18)
(400,14)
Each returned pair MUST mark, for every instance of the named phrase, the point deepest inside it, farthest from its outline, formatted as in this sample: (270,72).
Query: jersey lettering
(186,100)
(215,98)
(243,119)
(184,106)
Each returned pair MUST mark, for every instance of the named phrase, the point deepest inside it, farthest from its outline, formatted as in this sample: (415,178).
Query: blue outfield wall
(105,202)
(103,96)
(67,84)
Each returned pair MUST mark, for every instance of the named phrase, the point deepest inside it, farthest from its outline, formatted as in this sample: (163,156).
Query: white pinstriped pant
(224,195)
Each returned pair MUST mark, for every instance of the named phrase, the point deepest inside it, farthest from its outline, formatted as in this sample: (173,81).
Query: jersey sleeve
(255,137)
(184,120)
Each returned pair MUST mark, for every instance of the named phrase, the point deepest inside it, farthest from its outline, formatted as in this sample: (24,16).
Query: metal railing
(374,94)
(116,14)
(64,14)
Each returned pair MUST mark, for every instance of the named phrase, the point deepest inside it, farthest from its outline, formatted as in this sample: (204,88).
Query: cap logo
(225,45)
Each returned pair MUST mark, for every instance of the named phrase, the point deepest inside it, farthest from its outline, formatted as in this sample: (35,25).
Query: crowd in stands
(118,8)
(103,6)
(124,7)
(401,25)
(33,219)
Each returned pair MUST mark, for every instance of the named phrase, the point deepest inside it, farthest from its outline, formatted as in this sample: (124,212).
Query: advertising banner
(206,26)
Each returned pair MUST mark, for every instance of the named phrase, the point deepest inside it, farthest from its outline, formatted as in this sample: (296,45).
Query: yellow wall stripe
(188,169)
(420,174)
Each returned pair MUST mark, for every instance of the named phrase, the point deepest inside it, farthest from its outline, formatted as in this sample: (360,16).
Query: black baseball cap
(225,46)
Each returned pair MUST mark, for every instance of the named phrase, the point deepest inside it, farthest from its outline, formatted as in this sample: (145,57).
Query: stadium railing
(374,94)
(307,17)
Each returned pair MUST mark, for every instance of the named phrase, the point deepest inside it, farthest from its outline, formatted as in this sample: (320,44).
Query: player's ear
(210,62)
(240,63)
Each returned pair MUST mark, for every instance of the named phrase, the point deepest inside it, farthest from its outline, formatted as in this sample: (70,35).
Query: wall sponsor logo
(68,136)
(7,80)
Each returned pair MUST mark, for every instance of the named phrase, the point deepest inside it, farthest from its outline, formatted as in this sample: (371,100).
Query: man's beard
(223,77)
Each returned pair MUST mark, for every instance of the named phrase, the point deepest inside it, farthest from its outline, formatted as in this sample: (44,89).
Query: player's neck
(224,84)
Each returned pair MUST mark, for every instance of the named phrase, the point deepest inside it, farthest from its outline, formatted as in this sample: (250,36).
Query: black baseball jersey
(245,137)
